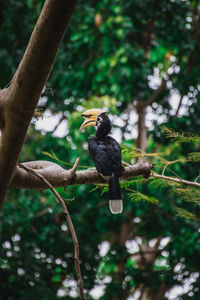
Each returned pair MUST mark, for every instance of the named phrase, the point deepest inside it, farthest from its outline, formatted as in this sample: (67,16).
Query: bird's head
(92,117)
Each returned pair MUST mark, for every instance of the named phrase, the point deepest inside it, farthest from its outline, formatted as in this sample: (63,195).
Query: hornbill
(106,154)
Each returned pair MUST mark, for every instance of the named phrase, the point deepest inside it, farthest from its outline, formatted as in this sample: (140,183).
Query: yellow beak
(90,117)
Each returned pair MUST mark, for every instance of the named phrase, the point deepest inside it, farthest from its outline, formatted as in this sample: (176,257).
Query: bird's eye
(98,119)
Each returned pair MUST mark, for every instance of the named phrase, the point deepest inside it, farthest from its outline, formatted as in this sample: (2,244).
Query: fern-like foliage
(102,187)
(189,194)
(136,196)
(185,214)
(163,183)
(132,183)
(194,156)
(129,152)
(53,156)
(181,137)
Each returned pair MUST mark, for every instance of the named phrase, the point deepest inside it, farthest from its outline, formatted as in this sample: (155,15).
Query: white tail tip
(116,206)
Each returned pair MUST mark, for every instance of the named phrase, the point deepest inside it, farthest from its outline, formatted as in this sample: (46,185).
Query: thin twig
(59,122)
(125,163)
(156,94)
(183,181)
(75,166)
(179,105)
(69,222)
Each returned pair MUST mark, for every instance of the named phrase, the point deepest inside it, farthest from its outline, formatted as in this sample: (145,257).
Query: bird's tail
(115,202)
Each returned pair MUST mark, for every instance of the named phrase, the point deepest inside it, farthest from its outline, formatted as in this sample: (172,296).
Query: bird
(106,154)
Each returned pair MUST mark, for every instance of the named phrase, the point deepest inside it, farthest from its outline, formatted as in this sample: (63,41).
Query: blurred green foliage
(110,56)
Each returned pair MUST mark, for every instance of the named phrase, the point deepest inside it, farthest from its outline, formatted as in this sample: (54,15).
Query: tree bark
(18,102)
(59,177)
(141,141)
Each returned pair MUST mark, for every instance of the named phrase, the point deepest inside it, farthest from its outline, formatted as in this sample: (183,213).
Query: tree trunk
(120,240)
(18,102)
(141,141)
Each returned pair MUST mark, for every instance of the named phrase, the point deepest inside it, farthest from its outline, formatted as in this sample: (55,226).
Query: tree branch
(179,180)
(59,122)
(3,98)
(69,222)
(148,37)
(157,93)
(59,177)
(141,141)
(179,105)
(23,94)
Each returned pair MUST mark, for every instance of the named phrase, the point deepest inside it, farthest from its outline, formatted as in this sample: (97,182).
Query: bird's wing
(106,155)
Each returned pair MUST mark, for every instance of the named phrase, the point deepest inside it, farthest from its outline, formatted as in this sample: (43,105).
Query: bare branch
(69,222)
(126,164)
(59,177)
(141,141)
(179,105)
(148,36)
(75,166)
(183,181)
(28,82)
(59,122)
(3,98)
(157,93)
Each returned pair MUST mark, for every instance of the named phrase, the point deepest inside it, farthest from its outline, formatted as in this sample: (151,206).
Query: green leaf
(56,278)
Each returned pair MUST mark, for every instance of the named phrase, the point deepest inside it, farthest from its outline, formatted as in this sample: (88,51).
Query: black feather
(106,155)
(114,188)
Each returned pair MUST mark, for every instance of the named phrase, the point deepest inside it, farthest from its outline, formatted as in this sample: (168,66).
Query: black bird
(106,155)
